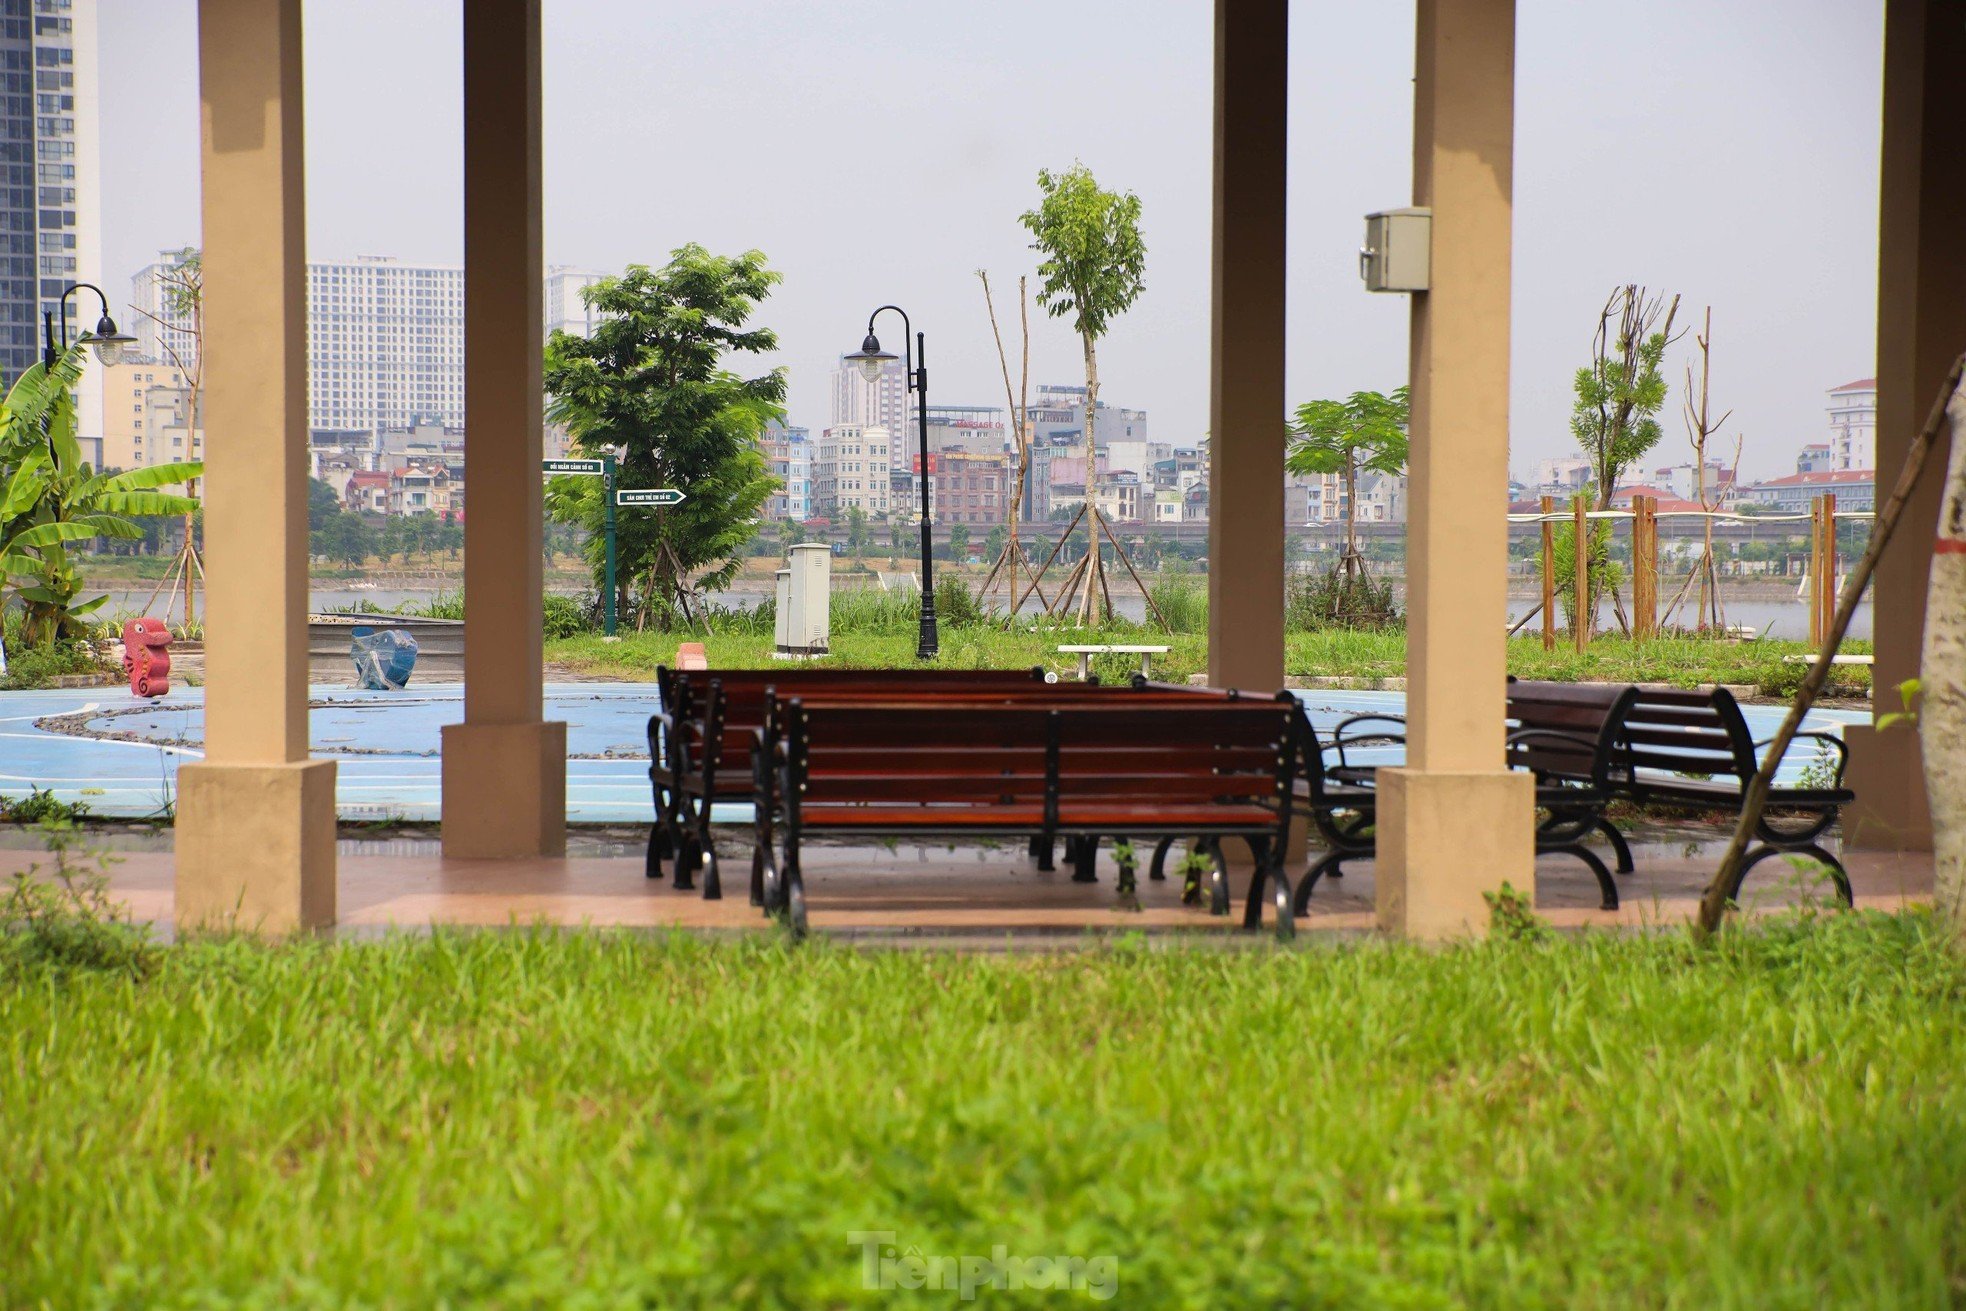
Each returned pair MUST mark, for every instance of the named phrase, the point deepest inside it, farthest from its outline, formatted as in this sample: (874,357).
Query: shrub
(62,917)
(39,807)
(1183,603)
(568,616)
(1337,600)
(955,604)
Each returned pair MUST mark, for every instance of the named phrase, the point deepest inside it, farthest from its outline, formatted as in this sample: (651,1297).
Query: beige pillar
(255,819)
(1921,328)
(1246,396)
(505,771)
(1454,823)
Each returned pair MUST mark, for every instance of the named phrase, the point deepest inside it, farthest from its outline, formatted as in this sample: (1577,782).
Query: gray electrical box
(805,602)
(1398,250)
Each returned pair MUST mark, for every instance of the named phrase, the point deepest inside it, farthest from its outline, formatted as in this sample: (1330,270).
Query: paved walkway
(973,891)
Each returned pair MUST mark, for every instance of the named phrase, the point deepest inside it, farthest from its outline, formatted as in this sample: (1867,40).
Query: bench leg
(1619,846)
(713,886)
(1326,866)
(1083,852)
(1598,868)
(792,908)
(659,849)
(1158,870)
(758,874)
(1837,873)
(1218,890)
(1269,874)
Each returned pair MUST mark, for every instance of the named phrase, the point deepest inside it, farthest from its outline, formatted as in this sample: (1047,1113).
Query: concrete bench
(1085,654)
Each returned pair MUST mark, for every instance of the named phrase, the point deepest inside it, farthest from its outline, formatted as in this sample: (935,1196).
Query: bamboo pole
(1713,905)
(1582,617)
(1816,571)
(1549,574)
(1829,560)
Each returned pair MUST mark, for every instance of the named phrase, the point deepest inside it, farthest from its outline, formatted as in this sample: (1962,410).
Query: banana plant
(51,500)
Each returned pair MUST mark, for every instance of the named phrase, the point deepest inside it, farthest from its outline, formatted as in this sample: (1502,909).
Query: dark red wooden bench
(1188,768)
(699,749)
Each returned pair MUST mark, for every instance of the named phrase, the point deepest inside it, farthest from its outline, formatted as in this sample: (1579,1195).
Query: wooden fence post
(1816,589)
(1583,616)
(1645,567)
(1829,564)
(1549,573)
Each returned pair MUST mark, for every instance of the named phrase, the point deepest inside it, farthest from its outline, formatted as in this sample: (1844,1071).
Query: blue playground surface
(386,745)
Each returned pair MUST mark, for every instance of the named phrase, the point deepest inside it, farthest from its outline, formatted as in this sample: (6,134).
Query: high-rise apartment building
(50,204)
(565,310)
(882,403)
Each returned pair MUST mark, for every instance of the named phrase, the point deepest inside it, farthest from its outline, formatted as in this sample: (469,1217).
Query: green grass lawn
(1685,661)
(530,1119)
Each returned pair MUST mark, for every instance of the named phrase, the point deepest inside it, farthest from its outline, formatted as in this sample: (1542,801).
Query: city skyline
(1624,172)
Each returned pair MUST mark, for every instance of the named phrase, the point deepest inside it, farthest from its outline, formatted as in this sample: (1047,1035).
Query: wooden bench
(700,745)
(1693,751)
(1195,767)
(1085,654)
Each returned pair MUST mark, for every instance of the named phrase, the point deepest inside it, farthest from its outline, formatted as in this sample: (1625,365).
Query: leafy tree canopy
(1094,257)
(1364,433)
(653,383)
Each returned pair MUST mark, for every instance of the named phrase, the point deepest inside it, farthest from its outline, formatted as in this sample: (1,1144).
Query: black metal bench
(1693,751)
(1187,768)
(1565,734)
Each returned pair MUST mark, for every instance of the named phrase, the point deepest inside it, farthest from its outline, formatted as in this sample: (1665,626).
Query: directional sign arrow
(589,468)
(648,496)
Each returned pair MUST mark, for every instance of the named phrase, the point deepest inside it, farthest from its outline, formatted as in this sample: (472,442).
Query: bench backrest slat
(1566,731)
(1686,732)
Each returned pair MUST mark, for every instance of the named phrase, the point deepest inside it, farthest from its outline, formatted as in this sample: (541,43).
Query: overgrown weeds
(60,915)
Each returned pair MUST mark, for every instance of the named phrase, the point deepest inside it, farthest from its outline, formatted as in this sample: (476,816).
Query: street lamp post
(872,359)
(109,344)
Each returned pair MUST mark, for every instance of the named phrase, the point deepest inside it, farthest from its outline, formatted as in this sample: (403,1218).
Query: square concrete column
(1921,326)
(1246,406)
(505,769)
(255,818)
(1454,822)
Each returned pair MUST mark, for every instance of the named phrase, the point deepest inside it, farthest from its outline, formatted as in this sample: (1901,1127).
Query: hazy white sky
(882,153)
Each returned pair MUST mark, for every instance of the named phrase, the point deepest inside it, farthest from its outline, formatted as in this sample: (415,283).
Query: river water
(1773,618)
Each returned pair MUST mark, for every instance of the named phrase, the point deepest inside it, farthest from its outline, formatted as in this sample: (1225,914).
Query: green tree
(858,536)
(1364,433)
(996,541)
(652,382)
(1619,395)
(959,542)
(50,500)
(1093,269)
(322,504)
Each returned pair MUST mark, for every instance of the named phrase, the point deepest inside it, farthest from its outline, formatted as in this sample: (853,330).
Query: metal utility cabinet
(1398,250)
(805,600)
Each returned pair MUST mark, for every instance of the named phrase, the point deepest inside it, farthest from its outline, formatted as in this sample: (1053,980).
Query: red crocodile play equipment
(147,656)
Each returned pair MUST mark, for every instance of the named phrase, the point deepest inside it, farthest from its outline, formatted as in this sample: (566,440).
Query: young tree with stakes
(1619,395)
(1364,433)
(1094,259)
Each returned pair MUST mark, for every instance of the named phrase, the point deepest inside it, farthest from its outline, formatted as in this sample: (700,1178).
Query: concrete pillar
(1454,823)
(1246,407)
(1921,326)
(505,770)
(255,818)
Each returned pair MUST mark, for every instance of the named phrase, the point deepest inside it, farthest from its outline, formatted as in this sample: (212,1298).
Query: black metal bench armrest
(1522,735)
(1340,739)
(1842,749)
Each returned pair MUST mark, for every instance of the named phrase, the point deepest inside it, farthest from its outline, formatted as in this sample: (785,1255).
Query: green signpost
(602,468)
(611,497)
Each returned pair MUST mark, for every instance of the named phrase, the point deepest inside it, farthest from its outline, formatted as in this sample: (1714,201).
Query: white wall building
(565,310)
(1853,425)
(851,467)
